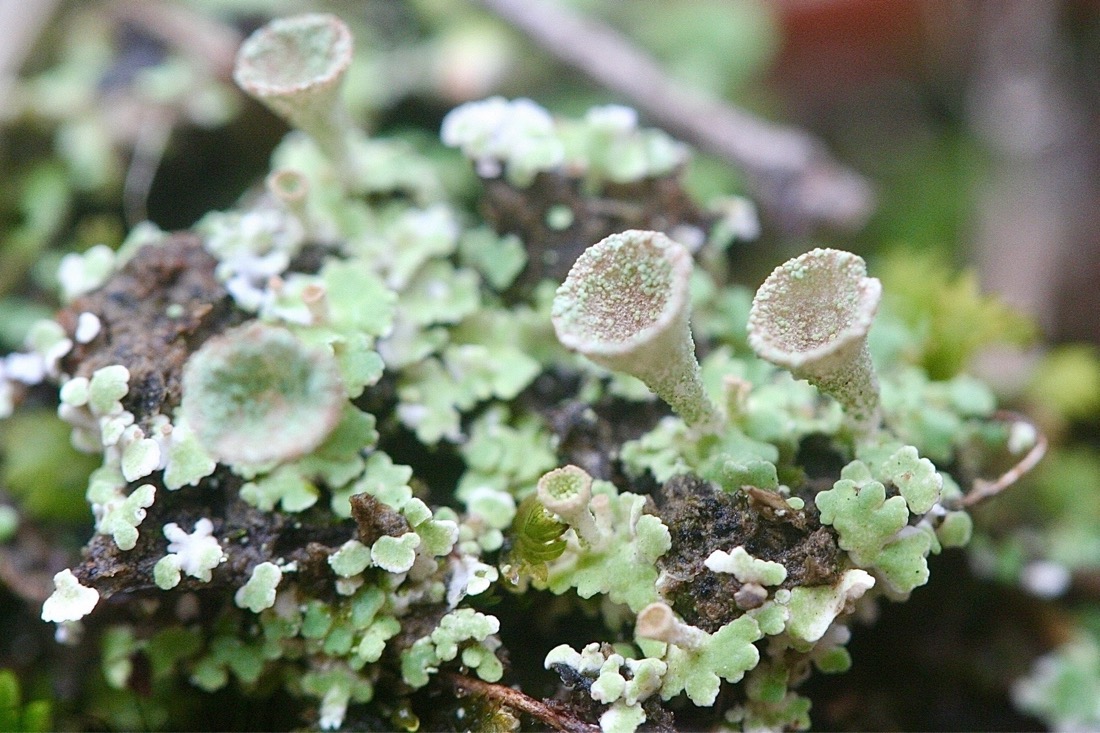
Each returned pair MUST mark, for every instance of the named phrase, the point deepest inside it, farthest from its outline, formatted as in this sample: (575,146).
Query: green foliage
(16,715)
(949,317)
(1067,381)
(41,469)
(1064,685)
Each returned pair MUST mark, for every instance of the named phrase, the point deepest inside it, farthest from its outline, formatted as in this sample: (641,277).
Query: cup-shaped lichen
(257,394)
(295,67)
(812,316)
(625,305)
(567,492)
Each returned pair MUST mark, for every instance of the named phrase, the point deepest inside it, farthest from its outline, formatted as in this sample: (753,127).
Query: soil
(703,518)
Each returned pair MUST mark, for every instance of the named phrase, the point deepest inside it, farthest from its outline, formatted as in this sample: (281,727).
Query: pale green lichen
(621,562)
(364,282)
(257,394)
(863,517)
(813,609)
(812,316)
(352,558)
(696,661)
(259,592)
(395,554)
(295,66)
(120,516)
(625,306)
(466,629)
(1063,686)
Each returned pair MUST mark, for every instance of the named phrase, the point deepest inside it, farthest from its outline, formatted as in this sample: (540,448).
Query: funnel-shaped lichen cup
(295,67)
(625,305)
(257,394)
(812,316)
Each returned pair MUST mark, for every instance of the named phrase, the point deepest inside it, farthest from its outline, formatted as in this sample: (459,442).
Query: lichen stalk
(625,306)
(295,66)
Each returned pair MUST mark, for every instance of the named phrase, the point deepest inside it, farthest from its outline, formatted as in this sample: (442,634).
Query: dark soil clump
(702,518)
(154,313)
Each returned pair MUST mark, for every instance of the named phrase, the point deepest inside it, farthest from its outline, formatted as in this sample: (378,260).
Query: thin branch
(790,172)
(519,701)
(208,43)
(983,489)
(149,146)
(22,22)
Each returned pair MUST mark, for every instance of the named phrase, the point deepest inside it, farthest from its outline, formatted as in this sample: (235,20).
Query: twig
(983,489)
(519,701)
(149,146)
(208,43)
(790,172)
(22,21)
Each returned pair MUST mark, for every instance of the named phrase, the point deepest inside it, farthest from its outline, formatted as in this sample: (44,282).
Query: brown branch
(790,172)
(983,489)
(209,44)
(22,23)
(519,701)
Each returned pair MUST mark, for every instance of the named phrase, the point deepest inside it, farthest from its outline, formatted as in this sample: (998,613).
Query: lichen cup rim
(249,74)
(766,340)
(570,331)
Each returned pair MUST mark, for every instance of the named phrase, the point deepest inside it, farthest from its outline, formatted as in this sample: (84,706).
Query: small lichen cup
(567,492)
(625,305)
(256,394)
(295,66)
(812,316)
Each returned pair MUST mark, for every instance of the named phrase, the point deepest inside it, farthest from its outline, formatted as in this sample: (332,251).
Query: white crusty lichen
(196,554)
(617,681)
(745,567)
(120,516)
(626,306)
(811,316)
(519,139)
(70,600)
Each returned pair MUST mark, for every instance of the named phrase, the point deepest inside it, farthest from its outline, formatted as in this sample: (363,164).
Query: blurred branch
(21,21)
(982,489)
(1034,195)
(206,42)
(790,172)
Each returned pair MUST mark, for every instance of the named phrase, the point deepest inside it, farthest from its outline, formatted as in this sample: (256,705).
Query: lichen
(344,457)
